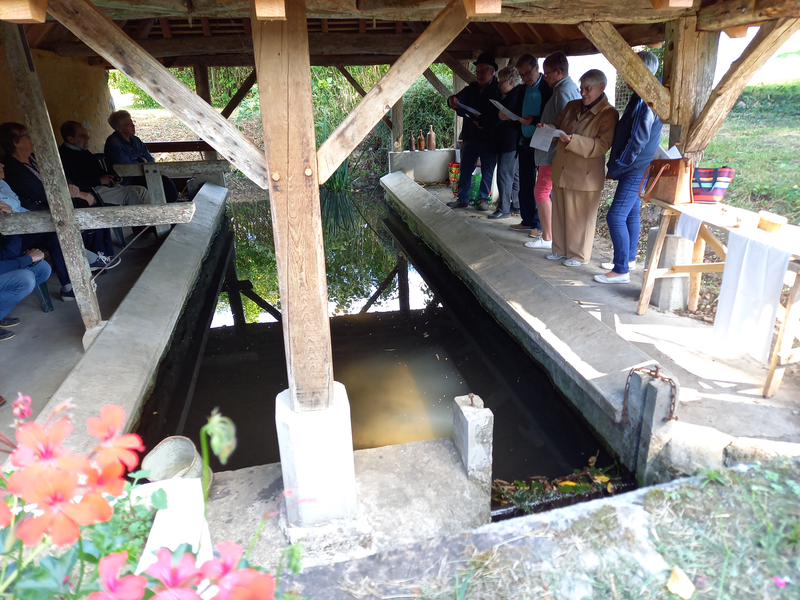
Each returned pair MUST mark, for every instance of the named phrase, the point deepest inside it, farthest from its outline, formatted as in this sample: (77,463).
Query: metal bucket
(175,456)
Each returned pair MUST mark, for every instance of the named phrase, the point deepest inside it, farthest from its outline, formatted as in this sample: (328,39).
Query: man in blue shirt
(532,99)
(124,148)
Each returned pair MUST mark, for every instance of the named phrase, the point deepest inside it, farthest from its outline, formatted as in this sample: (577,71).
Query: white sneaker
(541,243)
(571,262)
(554,256)
(603,278)
(610,265)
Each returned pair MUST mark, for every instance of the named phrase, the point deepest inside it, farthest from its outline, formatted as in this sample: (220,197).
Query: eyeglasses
(528,72)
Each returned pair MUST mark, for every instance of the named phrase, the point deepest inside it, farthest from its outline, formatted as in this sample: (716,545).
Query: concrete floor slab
(716,390)
(406,494)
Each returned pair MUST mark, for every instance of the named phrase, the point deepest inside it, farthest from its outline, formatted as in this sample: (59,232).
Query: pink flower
(130,587)
(176,580)
(779,581)
(114,447)
(222,572)
(22,406)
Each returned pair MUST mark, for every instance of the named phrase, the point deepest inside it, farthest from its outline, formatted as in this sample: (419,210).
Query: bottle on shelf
(431,139)
(412,141)
(421,141)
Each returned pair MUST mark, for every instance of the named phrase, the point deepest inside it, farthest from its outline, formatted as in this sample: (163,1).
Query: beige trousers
(574,220)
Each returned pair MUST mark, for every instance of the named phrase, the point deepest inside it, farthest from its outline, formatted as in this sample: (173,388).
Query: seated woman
(124,148)
(23,177)
(20,273)
(579,169)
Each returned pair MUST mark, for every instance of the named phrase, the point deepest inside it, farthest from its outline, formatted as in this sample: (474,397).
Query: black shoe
(9,322)
(68,296)
(457,204)
(483,206)
(104,262)
(5,334)
(498,214)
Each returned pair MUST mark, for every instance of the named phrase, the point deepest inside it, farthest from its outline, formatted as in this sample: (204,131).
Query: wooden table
(726,218)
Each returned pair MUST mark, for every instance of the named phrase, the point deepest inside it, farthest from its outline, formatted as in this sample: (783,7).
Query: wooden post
(437,83)
(203,89)
(93,28)
(284,80)
(770,37)
(402,283)
(690,58)
(234,295)
(458,85)
(391,87)
(397,126)
(31,100)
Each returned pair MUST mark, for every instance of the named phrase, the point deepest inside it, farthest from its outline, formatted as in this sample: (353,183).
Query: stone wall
(73,90)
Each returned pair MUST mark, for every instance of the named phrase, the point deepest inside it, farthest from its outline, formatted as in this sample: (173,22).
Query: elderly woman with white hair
(578,169)
(635,141)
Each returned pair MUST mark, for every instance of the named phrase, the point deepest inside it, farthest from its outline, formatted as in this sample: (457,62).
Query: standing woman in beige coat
(579,169)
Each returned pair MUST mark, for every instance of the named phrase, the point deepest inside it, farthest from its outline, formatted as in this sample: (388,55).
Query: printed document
(505,111)
(469,109)
(543,136)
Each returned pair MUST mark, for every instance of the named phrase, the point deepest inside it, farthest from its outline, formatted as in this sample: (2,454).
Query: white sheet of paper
(505,111)
(662,154)
(543,136)
(469,109)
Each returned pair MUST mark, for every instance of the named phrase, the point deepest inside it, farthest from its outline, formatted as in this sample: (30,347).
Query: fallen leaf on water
(567,483)
(679,584)
(610,487)
(602,479)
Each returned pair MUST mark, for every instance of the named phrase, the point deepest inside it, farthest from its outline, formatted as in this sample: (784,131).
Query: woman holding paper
(578,173)
(504,138)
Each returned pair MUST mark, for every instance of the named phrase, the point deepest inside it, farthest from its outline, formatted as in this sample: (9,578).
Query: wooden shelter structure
(281,39)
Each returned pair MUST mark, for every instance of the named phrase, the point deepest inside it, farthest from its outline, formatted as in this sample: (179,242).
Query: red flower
(260,587)
(130,587)
(114,447)
(22,406)
(176,580)
(53,492)
(39,445)
(108,479)
(223,572)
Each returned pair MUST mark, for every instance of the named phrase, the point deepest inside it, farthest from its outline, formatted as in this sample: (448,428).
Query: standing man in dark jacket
(532,97)
(635,141)
(479,123)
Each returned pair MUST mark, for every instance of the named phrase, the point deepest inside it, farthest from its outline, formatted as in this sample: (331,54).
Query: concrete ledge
(425,166)
(587,360)
(121,364)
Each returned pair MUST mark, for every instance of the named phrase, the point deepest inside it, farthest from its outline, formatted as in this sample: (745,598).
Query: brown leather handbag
(668,180)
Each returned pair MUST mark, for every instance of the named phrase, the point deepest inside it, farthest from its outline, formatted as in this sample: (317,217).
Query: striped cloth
(709,185)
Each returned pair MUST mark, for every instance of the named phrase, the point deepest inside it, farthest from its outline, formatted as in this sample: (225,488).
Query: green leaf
(159,499)
(47,579)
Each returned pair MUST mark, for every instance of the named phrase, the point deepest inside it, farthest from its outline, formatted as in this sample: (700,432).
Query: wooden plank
(31,101)
(165,29)
(782,353)
(284,80)
(187,168)
(397,126)
(614,47)
(155,189)
(457,67)
(270,10)
(690,59)
(23,11)
(437,83)
(698,252)
(90,25)
(362,92)
(179,146)
(701,267)
(482,7)
(144,28)
(240,94)
(667,4)
(655,256)
(201,84)
(390,88)
(718,247)
(100,217)
(206,26)
(770,37)
(738,13)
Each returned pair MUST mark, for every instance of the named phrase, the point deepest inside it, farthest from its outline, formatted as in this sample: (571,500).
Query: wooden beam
(335,43)
(165,29)
(23,11)
(188,168)
(397,126)
(360,90)
(144,28)
(736,13)
(770,37)
(614,47)
(284,82)
(442,30)
(457,67)
(31,101)
(90,25)
(690,59)
(476,8)
(671,4)
(270,10)
(634,35)
(206,26)
(240,94)
(437,83)
(201,85)
(100,217)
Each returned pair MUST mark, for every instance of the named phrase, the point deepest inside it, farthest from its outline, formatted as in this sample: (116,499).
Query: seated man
(83,169)
(19,275)
(123,148)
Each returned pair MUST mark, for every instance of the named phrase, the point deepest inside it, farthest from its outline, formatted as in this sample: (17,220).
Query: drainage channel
(424,342)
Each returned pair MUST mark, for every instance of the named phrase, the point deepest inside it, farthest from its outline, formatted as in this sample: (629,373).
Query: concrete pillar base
(473,437)
(673,292)
(316,450)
